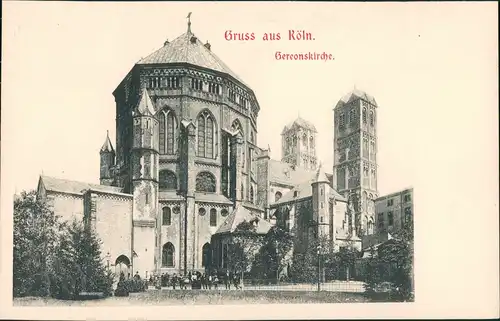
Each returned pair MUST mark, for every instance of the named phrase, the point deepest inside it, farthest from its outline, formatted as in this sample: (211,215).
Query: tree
(305,263)
(398,252)
(79,266)
(245,243)
(346,257)
(275,252)
(35,235)
(372,276)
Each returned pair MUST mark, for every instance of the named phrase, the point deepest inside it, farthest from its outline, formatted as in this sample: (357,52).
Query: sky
(63,61)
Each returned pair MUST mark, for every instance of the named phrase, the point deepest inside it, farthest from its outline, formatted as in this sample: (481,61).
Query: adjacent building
(394,210)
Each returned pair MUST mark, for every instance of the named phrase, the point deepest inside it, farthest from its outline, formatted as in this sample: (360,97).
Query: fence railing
(266,285)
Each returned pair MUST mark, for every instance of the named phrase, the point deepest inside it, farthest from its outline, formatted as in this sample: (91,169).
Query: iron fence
(266,285)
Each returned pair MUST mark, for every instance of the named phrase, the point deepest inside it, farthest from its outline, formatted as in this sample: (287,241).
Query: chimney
(166,42)
(208,45)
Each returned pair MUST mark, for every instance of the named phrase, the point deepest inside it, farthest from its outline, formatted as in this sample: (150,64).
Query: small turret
(144,166)
(321,176)
(320,201)
(107,162)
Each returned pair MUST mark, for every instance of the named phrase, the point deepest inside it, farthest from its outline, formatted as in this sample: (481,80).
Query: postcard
(276,160)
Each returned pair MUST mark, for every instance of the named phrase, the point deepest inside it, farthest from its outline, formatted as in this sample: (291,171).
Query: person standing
(216,281)
(209,281)
(236,282)
(174,280)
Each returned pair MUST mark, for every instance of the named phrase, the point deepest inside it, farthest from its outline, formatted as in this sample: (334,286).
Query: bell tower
(299,144)
(355,156)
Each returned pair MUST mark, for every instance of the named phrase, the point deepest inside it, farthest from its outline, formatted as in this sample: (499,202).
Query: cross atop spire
(189,22)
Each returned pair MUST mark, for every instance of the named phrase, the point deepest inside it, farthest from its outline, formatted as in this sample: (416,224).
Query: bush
(121,289)
(135,285)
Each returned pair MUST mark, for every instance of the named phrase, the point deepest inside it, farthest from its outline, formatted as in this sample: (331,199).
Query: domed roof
(300,122)
(356,94)
(187,48)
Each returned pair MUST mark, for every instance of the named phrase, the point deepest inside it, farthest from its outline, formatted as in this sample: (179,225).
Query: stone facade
(299,144)
(187,157)
(355,156)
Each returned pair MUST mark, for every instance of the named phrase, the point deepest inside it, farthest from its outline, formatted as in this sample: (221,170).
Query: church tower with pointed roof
(355,156)
(299,144)
(107,162)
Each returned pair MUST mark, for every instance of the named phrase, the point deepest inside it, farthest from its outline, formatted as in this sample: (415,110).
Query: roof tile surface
(188,49)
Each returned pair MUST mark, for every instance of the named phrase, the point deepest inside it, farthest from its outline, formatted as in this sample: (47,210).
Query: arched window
(168,131)
(167,216)
(168,254)
(205,182)
(251,194)
(206,135)
(341,121)
(364,196)
(364,115)
(277,196)
(237,126)
(370,227)
(352,117)
(206,258)
(167,180)
(213,217)
(372,119)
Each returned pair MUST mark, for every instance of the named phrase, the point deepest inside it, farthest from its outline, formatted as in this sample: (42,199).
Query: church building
(186,165)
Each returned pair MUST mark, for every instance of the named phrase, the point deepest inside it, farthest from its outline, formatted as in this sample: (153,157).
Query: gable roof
(286,174)
(73,187)
(239,215)
(187,48)
(301,123)
(304,190)
(356,94)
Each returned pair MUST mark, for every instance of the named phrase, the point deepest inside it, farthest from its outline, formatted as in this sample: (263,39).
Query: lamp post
(108,257)
(319,268)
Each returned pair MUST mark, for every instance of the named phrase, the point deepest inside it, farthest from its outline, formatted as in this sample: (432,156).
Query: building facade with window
(187,159)
(394,210)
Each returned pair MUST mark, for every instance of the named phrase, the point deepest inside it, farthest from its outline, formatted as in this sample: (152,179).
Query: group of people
(197,280)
